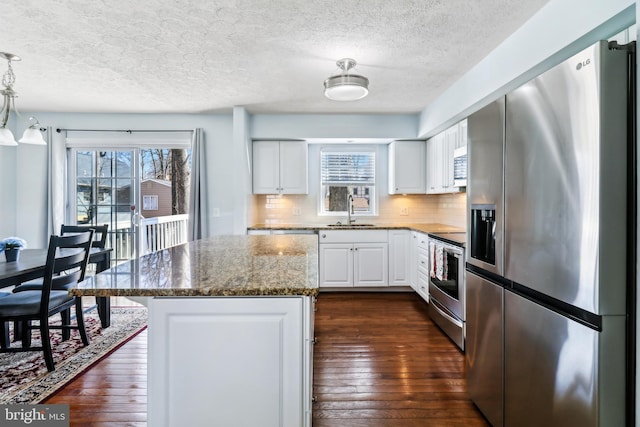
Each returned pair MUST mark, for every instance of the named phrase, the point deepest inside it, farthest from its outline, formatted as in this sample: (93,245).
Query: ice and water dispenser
(483,233)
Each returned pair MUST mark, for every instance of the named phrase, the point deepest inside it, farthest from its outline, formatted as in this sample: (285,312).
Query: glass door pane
(106,193)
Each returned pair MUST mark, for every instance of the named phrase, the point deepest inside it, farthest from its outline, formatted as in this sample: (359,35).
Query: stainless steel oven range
(447,284)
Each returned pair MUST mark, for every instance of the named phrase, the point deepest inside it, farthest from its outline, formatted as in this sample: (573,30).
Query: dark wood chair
(99,241)
(67,259)
(99,235)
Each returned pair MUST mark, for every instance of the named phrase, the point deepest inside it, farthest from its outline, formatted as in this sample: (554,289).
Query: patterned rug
(24,376)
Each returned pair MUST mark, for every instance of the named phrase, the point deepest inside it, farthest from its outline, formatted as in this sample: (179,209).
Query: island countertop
(272,265)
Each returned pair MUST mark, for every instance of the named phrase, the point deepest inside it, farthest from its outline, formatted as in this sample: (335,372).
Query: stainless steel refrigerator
(548,236)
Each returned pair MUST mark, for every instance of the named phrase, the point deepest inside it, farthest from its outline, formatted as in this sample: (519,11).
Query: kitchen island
(230,328)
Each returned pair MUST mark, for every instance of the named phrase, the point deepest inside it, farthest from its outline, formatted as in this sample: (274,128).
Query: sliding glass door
(140,192)
(106,192)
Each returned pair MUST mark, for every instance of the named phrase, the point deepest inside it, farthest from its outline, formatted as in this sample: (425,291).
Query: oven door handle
(442,311)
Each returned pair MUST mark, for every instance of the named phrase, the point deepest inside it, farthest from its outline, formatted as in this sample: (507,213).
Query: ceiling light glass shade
(346,87)
(32,135)
(6,137)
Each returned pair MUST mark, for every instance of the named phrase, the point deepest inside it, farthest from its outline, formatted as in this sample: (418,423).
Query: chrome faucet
(349,209)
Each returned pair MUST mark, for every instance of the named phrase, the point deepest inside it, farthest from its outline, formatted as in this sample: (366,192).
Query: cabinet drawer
(423,285)
(423,261)
(423,241)
(352,236)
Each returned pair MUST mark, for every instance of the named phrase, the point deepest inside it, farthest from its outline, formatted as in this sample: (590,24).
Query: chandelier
(32,134)
(345,86)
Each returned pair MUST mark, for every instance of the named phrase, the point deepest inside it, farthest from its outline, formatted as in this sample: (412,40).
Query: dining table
(31,264)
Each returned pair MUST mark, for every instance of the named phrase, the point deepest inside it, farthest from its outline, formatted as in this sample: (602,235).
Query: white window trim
(150,202)
(341,148)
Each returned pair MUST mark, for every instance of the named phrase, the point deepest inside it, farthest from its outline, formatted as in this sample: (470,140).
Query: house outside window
(345,173)
(150,203)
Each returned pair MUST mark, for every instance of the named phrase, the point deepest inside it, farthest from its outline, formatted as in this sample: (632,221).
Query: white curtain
(56,180)
(198,220)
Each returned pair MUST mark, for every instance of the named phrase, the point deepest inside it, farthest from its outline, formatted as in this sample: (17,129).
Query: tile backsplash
(447,209)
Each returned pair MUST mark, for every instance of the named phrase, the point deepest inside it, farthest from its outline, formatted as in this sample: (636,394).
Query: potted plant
(11,247)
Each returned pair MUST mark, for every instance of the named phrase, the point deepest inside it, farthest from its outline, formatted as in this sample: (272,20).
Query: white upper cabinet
(435,169)
(280,167)
(439,162)
(407,170)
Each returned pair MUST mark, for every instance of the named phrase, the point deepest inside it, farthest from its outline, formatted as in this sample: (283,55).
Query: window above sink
(345,172)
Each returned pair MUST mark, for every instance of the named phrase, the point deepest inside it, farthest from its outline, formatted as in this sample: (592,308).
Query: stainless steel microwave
(460,167)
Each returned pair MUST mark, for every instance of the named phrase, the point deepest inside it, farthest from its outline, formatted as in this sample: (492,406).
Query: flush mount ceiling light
(32,134)
(345,86)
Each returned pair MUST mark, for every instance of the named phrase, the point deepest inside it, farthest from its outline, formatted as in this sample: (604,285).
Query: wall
(23,202)
(8,180)
(27,213)
(278,209)
(341,126)
(560,29)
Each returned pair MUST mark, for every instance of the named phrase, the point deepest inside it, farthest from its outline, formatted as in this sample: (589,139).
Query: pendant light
(32,135)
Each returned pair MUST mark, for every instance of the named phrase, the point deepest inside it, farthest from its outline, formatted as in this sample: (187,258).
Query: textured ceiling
(270,56)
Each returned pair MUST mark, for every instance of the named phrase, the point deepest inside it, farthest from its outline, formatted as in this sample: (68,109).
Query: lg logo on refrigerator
(583,64)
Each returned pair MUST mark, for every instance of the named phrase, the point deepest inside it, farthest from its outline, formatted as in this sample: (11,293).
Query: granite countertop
(421,227)
(219,266)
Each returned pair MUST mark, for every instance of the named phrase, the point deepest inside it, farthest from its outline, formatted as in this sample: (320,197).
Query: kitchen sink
(351,225)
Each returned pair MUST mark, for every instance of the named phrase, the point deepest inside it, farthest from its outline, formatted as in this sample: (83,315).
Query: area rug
(24,377)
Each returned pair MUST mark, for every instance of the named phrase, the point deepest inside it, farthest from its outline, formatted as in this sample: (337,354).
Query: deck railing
(162,232)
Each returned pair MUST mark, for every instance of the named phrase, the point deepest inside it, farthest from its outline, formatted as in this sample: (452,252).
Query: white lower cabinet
(230,361)
(399,257)
(370,264)
(422,265)
(351,258)
(336,265)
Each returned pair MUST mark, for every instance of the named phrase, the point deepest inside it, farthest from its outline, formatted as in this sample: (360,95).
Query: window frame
(340,148)
(150,202)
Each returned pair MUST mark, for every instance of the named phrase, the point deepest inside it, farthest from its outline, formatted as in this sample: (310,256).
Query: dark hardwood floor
(379,362)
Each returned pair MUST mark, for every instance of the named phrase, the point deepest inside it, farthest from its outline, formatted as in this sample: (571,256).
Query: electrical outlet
(404,211)
(296,211)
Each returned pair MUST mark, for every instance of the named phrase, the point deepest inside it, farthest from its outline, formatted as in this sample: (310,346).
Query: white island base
(230,361)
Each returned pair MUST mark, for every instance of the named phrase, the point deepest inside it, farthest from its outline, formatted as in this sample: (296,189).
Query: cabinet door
(293,167)
(336,264)
(413,261)
(266,167)
(213,355)
(407,167)
(399,244)
(370,264)
(435,148)
(450,141)
(423,285)
(462,134)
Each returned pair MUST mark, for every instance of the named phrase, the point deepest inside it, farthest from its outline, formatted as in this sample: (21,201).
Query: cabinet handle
(314,399)
(314,341)
(351,249)
(356,249)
